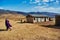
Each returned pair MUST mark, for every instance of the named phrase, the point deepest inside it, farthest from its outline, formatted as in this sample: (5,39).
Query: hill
(49,14)
(11,15)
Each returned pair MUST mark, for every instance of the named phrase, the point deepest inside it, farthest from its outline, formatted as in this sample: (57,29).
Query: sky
(31,5)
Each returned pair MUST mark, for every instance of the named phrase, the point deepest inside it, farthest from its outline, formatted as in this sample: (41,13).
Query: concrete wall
(31,19)
(40,20)
(57,20)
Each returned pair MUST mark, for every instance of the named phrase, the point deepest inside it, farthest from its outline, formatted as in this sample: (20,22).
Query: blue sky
(31,5)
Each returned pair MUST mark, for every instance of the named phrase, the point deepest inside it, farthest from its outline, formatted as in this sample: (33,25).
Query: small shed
(57,20)
(36,18)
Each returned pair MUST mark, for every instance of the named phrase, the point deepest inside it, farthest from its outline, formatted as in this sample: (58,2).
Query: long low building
(34,18)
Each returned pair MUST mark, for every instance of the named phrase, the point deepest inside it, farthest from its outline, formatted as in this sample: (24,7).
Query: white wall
(39,20)
(47,19)
(35,20)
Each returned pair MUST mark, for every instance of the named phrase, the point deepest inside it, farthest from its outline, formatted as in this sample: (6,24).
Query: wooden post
(45,19)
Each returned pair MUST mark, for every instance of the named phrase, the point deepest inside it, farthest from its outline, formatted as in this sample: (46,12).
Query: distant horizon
(25,12)
(31,5)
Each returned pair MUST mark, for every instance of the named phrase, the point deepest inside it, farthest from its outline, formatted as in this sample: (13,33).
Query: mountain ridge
(49,14)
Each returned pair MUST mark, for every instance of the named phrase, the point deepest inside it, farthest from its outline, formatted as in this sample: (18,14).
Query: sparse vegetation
(28,31)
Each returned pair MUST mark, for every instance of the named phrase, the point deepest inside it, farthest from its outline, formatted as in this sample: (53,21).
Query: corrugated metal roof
(38,15)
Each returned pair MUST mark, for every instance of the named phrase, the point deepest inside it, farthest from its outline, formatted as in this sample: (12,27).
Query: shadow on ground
(3,30)
(52,26)
(24,22)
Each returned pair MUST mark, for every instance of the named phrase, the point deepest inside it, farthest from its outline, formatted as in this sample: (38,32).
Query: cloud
(30,0)
(39,4)
(1,8)
(35,1)
(57,1)
(46,9)
(53,3)
(46,5)
(45,0)
(50,0)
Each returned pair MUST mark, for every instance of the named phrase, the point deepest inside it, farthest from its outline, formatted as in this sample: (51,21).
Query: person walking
(8,25)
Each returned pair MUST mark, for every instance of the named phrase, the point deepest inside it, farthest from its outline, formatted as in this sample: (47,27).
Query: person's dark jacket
(7,23)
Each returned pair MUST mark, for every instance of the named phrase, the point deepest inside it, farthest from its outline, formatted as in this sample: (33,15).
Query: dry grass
(28,31)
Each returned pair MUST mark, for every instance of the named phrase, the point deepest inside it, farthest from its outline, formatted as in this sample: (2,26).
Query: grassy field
(28,31)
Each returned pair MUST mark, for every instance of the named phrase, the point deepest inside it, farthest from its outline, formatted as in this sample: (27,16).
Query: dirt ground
(28,31)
